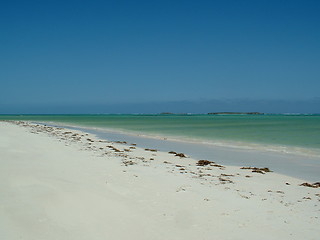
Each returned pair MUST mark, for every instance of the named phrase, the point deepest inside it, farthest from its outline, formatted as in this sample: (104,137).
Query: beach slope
(61,184)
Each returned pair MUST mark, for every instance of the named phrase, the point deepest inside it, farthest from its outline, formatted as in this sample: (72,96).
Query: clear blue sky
(152,56)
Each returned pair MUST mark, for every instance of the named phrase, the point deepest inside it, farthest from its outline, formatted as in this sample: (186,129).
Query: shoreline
(301,166)
(228,144)
(304,142)
(59,183)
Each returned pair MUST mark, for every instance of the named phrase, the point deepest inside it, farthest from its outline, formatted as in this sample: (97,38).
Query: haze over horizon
(159,56)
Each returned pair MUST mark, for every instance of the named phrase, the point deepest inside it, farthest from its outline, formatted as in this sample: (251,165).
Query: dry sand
(61,184)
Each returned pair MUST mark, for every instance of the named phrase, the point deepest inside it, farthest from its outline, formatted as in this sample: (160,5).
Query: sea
(279,139)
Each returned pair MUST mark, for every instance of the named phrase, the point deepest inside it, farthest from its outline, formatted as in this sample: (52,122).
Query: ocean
(281,132)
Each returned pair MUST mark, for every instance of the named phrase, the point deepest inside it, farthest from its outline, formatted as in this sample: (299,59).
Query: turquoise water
(295,131)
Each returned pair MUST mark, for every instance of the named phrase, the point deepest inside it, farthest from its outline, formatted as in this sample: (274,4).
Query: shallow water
(282,133)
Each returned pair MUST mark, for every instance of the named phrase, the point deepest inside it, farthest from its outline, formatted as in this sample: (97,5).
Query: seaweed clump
(312,185)
(182,155)
(258,170)
(204,162)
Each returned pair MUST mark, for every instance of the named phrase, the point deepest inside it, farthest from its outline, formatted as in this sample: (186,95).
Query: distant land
(236,113)
(217,113)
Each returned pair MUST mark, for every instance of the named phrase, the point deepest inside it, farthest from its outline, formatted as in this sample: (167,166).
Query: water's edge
(308,152)
(295,165)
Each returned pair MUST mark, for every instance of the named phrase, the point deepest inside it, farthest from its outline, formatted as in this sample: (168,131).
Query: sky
(153,56)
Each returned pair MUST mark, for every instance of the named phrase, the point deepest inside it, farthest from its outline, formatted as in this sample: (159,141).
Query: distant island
(216,113)
(170,113)
(235,113)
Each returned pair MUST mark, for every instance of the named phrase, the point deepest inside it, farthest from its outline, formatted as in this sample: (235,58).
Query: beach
(58,183)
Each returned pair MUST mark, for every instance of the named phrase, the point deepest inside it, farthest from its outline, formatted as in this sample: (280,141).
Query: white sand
(58,185)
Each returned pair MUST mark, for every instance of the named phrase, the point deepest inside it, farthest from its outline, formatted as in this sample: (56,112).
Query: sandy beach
(57,183)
